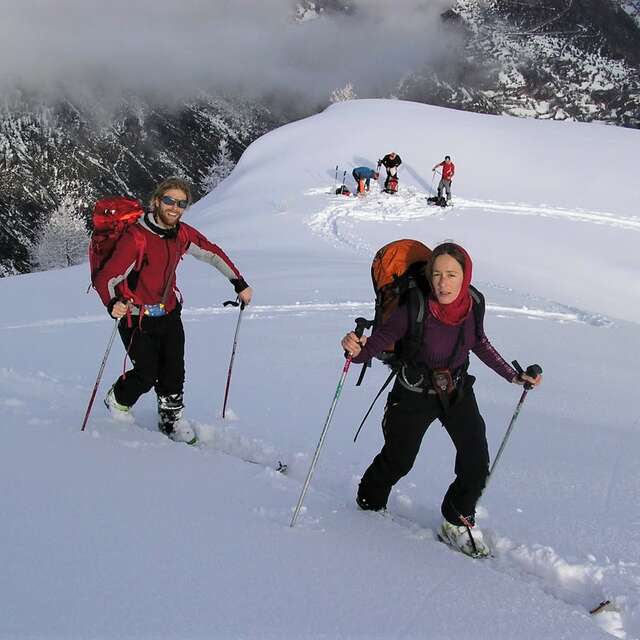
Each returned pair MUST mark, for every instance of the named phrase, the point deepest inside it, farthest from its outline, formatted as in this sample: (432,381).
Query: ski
(280,467)
(604,606)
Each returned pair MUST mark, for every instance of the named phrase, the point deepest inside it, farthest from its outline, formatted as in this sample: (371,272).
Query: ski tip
(605,605)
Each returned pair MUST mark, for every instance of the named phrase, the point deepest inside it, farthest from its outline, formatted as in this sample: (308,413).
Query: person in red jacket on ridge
(448,171)
(150,324)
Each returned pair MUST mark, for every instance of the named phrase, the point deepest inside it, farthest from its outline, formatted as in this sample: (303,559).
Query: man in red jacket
(448,171)
(150,325)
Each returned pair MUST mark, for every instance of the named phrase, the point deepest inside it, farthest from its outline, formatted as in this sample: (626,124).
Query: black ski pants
(406,419)
(156,349)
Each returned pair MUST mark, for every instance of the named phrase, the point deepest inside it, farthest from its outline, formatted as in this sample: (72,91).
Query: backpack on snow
(391,184)
(110,218)
(343,191)
(439,201)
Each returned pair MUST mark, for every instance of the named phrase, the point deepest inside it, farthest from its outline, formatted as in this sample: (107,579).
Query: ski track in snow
(579,584)
(563,314)
(411,204)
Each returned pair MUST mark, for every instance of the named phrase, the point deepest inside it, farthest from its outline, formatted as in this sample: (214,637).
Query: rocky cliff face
(560,59)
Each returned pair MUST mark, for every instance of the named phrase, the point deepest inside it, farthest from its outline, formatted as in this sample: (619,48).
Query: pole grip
(234,303)
(361,325)
(533,371)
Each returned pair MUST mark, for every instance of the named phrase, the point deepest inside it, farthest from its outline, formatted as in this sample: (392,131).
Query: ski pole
(433,177)
(361,324)
(335,181)
(233,303)
(100,372)
(532,371)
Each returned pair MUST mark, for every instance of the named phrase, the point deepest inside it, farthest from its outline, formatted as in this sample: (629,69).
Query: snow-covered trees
(62,240)
(222,166)
(346,93)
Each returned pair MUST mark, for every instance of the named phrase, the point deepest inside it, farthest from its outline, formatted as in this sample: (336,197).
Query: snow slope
(119,533)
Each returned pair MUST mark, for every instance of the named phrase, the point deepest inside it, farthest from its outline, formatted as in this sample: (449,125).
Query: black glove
(239,284)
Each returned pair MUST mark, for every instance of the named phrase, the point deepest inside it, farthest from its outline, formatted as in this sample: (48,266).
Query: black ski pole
(361,324)
(335,181)
(532,371)
(233,303)
(100,372)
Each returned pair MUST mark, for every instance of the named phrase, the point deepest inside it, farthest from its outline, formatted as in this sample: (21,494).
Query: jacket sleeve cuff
(239,284)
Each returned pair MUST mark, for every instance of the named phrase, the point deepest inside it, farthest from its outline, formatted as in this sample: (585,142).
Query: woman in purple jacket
(438,387)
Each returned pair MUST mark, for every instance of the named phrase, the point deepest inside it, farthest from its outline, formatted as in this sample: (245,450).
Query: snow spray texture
(110,218)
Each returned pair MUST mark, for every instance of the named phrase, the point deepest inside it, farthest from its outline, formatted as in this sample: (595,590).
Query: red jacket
(160,258)
(447,170)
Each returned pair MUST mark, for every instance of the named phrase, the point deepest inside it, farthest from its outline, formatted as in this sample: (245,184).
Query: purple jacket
(438,343)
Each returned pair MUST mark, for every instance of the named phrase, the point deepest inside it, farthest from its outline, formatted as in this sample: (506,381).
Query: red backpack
(391,184)
(111,216)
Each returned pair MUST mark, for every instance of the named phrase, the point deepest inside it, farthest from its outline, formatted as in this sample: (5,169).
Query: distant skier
(448,171)
(150,325)
(363,176)
(436,385)
(391,162)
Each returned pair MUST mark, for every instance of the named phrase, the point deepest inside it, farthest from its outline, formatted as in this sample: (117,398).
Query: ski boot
(366,505)
(117,411)
(171,422)
(465,539)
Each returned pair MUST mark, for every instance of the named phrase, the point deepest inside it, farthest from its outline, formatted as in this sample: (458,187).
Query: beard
(167,220)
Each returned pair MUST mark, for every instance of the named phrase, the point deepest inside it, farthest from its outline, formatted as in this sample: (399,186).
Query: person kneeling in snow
(362,176)
(437,386)
(150,326)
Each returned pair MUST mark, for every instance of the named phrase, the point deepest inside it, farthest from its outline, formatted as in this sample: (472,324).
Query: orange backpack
(398,279)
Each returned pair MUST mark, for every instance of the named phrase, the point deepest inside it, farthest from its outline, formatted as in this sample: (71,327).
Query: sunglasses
(171,202)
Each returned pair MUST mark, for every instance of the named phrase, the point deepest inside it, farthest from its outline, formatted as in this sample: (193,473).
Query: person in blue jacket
(362,176)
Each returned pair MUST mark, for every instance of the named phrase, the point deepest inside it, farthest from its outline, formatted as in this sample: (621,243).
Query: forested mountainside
(49,151)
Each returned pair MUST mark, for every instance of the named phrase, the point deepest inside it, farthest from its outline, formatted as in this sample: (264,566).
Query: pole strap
(384,386)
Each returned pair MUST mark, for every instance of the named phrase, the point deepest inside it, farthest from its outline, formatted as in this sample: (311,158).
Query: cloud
(173,50)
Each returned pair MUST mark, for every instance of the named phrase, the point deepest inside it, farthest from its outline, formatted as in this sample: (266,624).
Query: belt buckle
(154,310)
